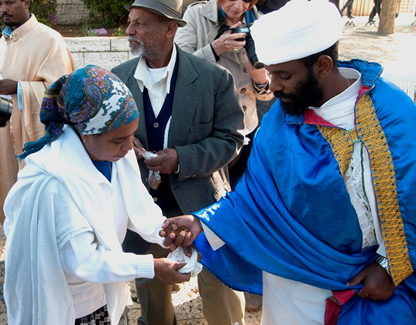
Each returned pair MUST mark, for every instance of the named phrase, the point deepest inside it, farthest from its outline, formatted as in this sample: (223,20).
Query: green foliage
(44,10)
(87,30)
(111,12)
(120,32)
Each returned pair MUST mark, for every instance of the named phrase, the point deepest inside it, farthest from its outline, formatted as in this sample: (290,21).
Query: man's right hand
(378,284)
(8,87)
(189,221)
(167,271)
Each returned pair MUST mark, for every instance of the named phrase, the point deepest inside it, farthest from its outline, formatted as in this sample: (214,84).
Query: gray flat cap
(168,8)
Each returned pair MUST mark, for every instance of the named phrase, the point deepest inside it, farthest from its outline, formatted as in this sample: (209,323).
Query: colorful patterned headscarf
(91,99)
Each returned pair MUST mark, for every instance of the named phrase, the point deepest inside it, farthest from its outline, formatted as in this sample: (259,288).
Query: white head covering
(297,30)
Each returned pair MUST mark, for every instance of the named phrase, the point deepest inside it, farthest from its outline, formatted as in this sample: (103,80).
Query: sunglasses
(246,1)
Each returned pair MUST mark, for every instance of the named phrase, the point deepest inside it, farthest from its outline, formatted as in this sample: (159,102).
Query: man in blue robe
(323,222)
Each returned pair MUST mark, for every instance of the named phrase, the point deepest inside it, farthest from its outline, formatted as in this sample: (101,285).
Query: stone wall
(71,12)
(106,52)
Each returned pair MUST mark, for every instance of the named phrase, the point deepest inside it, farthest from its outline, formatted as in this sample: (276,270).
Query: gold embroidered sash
(368,130)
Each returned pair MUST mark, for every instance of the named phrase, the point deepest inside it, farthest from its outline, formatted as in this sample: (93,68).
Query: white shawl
(35,284)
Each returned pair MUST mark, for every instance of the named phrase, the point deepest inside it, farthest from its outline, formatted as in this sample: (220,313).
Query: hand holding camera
(8,87)
(228,40)
(233,39)
(6,108)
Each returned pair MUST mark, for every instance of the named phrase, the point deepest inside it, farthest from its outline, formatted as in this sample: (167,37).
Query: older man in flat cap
(324,219)
(191,120)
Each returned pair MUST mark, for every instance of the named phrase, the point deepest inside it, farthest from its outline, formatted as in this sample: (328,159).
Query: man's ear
(27,4)
(323,66)
(172,27)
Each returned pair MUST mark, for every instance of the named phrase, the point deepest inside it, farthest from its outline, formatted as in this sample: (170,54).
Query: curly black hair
(332,52)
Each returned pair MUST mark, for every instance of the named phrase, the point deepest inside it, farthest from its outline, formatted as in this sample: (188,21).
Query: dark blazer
(206,115)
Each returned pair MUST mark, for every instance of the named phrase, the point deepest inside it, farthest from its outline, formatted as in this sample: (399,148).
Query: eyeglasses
(246,1)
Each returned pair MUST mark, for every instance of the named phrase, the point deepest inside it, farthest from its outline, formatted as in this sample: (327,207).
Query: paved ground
(395,52)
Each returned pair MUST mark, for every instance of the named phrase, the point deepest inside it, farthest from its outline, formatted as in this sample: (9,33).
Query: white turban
(297,30)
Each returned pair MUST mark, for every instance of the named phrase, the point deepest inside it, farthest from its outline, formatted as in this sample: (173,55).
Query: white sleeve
(215,241)
(87,260)
(156,239)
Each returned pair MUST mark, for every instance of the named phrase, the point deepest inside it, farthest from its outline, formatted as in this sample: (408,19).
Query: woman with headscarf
(69,211)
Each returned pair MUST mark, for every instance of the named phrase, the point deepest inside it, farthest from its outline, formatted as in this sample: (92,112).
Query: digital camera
(250,47)
(245,30)
(6,108)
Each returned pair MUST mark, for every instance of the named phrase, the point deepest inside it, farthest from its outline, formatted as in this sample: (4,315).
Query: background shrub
(111,12)
(44,10)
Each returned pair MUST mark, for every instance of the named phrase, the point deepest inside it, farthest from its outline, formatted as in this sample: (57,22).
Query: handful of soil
(173,228)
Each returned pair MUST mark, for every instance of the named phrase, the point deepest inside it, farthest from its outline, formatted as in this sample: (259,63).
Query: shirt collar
(351,90)
(339,110)
(331,106)
(8,31)
(21,30)
(144,79)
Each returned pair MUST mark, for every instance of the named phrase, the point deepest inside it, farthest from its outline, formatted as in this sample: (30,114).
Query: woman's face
(234,9)
(112,145)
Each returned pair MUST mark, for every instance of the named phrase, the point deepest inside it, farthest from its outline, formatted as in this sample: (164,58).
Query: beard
(9,23)
(140,49)
(307,94)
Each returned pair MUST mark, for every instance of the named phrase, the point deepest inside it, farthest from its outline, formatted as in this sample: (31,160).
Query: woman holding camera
(204,36)
(200,36)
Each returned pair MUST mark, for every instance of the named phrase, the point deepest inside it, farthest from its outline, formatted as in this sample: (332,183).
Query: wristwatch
(261,88)
(384,263)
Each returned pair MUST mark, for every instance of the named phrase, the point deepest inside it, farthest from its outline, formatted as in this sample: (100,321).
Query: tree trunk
(387,17)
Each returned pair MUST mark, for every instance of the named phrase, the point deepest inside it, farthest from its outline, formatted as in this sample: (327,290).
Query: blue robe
(291,214)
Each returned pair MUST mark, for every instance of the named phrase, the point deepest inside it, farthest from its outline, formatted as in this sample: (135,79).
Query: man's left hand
(8,87)
(166,161)
(377,282)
